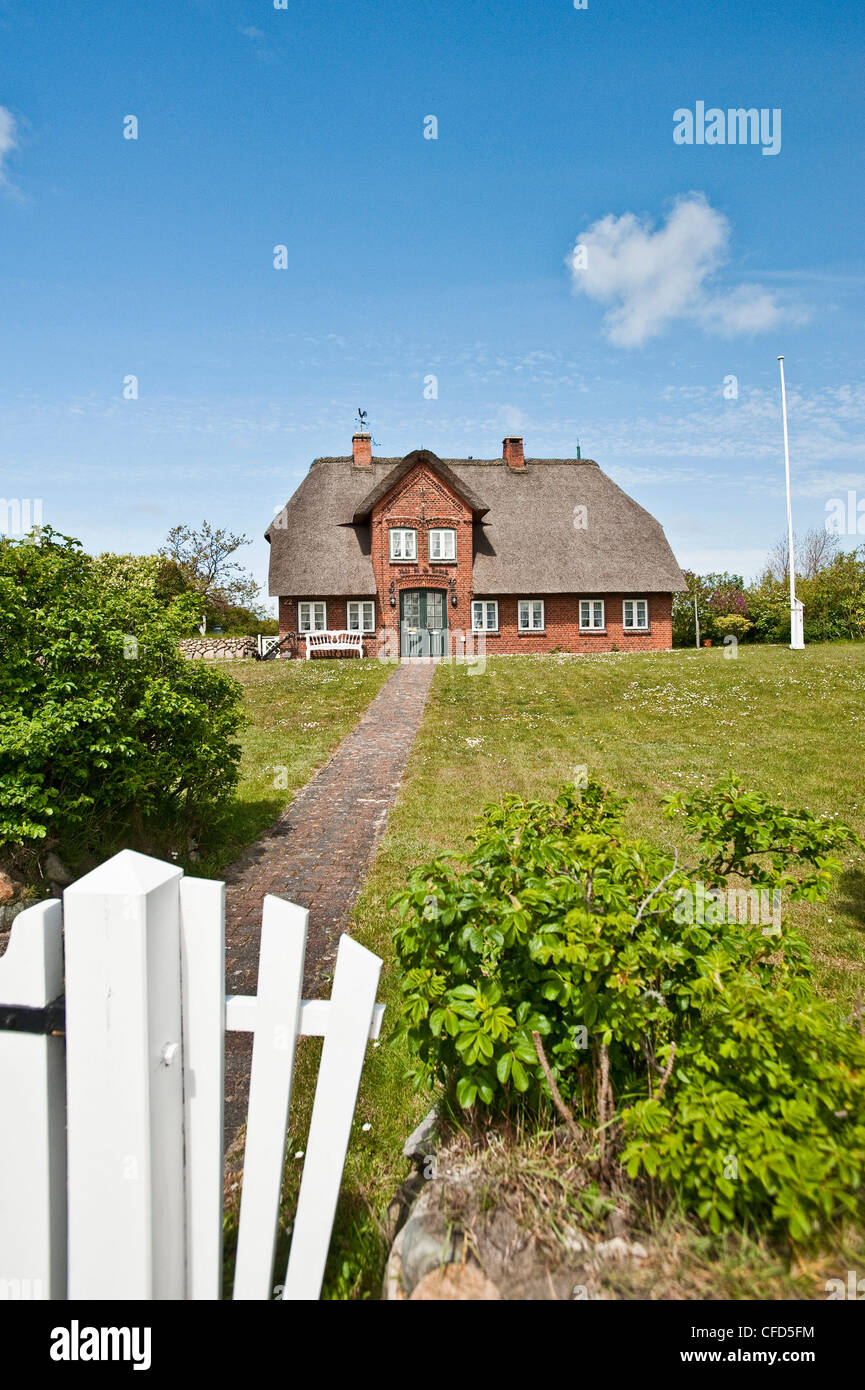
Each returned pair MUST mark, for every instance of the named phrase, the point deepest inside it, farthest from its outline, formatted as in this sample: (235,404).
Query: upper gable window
(443,544)
(403,544)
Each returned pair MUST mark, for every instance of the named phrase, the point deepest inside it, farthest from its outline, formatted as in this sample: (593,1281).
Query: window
(485,615)
(312,617)
(443,545)
(531,615)
(635,614)
(591,614)
(403,544)
(361,616)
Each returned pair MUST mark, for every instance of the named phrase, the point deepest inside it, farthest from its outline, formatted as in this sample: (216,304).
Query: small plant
(733,624)
(552,964)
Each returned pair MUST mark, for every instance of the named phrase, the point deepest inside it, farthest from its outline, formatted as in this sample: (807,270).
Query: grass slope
(789,723)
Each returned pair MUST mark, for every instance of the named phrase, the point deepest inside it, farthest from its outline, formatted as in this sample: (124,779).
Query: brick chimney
(512,452)
(361,450)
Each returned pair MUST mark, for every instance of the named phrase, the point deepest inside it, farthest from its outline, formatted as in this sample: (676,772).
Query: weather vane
(362,420)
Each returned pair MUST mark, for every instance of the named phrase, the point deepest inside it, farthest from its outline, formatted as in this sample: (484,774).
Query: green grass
(789,723)
(298,712)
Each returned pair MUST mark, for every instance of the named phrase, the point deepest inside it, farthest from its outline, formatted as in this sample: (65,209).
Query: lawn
(789,723)
(298,711)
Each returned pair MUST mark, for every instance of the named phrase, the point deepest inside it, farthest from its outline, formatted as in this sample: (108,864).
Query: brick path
(317,854)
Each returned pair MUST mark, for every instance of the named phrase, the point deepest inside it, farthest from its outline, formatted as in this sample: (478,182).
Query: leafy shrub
(107,734)
(717,595)
(706,1032)
(835,599)
(833,595)
(733,624)
(769,610)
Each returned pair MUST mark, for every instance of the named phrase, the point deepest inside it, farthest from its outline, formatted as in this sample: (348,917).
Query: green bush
(769,610)
(698,1043)
(107,735)
(733,624)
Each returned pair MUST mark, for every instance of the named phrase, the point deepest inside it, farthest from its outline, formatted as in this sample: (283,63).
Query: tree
(813,552)
(717,595)
(203,557)
(108,735)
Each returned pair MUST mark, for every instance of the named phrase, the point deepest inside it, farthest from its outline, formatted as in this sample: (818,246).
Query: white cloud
(652,277)
(8,140)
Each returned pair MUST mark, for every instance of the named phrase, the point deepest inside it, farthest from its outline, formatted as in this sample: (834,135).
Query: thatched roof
(525,538)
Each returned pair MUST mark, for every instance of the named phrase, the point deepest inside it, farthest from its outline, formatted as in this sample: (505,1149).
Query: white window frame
(441,531)
(485,604)
(635,627)
(402,531)
(365,609)
(311,605)
(530,626)
(592,626)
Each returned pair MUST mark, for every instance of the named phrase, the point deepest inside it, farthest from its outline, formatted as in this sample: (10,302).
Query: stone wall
(219,648)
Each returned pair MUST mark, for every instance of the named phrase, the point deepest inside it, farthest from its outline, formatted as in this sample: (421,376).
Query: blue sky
(407,256)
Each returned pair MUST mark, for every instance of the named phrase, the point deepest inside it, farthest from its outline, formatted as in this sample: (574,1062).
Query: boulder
(55,870)
(423,1141)
(428,1241)
(10,889)
(459,1283)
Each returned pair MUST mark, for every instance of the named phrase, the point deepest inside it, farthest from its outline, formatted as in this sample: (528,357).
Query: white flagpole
(797,637)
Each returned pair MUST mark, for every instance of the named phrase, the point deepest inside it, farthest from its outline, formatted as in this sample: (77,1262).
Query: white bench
(334,642)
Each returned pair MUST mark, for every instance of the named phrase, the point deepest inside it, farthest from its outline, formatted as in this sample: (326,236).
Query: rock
(402,1202)
(219,648)
(56,870)
(619,1249)
(428,1241)
(392,1289)
(423,1141)
(617,1223)
(460,1283)
(9,889)
(574,1242)
(8,913)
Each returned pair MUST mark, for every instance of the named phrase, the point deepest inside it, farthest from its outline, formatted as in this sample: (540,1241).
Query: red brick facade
(423,500)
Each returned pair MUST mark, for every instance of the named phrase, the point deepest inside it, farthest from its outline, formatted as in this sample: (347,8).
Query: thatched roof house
(533,553)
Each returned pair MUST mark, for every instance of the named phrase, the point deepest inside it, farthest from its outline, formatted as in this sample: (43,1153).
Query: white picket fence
(111,1136)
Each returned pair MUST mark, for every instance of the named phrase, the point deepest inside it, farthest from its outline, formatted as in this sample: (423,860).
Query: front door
(423,620)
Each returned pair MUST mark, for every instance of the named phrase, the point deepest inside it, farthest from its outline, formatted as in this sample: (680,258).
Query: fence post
(352,1006)
(33,1114)
(202,957)
(277,1015)
(124,1059)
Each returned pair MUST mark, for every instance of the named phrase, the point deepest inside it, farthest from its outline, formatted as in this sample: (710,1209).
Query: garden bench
(347,642)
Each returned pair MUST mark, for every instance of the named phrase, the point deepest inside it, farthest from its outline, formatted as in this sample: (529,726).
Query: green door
(423,621)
